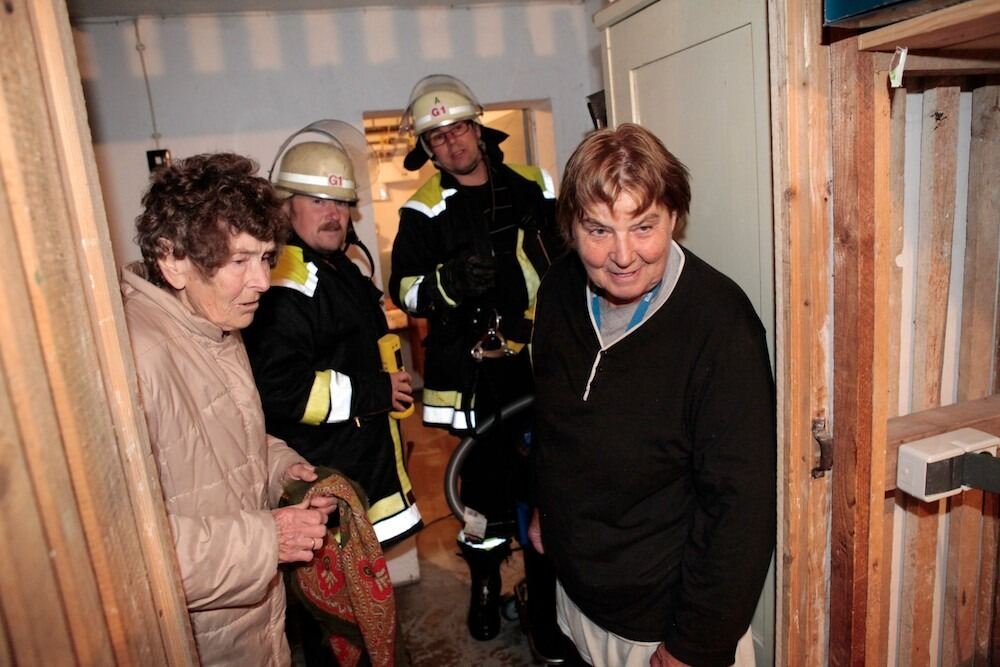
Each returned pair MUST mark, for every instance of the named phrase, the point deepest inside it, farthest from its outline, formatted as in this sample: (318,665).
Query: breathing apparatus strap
(353,239)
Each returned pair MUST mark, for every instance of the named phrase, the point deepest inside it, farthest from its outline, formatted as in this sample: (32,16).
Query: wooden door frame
(800,138)
(76,430)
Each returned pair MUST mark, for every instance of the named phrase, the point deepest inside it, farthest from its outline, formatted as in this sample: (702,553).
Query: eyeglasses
(439,136)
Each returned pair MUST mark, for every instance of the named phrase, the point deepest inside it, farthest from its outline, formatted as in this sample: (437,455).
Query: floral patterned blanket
(347,586)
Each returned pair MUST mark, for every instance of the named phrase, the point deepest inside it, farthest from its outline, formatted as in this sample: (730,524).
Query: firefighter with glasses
(473,243)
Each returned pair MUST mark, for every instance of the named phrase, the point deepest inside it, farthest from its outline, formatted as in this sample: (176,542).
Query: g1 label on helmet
(439,108)
(336,181)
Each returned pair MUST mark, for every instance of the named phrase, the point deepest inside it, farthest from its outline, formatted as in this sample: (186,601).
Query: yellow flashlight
(392,361)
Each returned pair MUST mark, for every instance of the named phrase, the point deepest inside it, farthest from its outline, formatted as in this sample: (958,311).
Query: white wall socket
(926,469)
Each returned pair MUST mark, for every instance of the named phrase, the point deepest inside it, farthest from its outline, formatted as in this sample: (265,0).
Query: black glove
(468,276)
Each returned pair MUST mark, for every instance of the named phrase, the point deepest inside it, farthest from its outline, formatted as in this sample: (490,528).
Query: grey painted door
(695,72)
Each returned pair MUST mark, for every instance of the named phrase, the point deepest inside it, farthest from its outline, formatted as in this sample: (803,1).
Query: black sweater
(657,490)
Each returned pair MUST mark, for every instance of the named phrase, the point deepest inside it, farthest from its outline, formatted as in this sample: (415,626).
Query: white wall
(244,82)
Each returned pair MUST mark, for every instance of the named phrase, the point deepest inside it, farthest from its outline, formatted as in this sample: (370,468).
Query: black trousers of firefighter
(494,481)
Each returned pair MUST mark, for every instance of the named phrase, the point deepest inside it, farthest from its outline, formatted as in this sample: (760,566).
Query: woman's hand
(300,471)
(301,531)
(307,473)
(402,390)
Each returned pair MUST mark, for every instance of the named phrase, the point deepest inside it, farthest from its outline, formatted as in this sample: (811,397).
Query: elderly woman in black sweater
(654,464)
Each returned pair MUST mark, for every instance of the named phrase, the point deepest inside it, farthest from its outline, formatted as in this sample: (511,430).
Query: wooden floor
(429,450)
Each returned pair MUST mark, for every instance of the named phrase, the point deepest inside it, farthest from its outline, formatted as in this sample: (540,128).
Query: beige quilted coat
(220,474)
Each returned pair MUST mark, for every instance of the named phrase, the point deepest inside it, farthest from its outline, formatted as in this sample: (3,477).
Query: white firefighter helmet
(438,100)
(316,169)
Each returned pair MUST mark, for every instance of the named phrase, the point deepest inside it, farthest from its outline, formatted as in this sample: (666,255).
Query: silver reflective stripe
(306,179)
(410,300)
(431,211)
(550,188)
(450,416)
(397,525)
(340,398)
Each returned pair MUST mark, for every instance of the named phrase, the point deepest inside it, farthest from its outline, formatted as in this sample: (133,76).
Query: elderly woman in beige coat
(208,235)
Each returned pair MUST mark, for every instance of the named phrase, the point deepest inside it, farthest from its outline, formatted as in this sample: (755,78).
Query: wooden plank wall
(946,609)
(861,283)
(980,309)
(939,145)
(908,340)
(89,575)
(897,187)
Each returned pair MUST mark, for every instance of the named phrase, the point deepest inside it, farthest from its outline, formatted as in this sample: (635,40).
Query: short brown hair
(193,206)
(627,159)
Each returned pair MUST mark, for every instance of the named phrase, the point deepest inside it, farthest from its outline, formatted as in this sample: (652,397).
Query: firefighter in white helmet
(473,243)
(314,344)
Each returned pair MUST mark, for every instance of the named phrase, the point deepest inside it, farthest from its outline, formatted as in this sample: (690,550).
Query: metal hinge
(824,439)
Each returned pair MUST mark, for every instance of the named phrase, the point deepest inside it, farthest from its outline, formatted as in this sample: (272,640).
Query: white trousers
(606,649)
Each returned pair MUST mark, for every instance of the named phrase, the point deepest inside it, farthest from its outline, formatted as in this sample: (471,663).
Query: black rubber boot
(484,605)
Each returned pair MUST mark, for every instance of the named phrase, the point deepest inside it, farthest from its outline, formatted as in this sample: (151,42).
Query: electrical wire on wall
(159,156)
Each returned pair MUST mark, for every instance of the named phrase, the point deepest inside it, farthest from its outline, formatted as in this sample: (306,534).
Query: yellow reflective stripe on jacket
(444,406)
(318,405)
(294,272)
(442,398)
(538,175)
(397,452)
(437,276)
(531,279)
(395,504)
(447,398)
(430,197)
(386,507)
(410,283)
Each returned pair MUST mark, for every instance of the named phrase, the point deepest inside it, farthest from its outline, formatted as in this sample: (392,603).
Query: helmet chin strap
(427,149)
(352,239)
(472,167)
(483,157)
